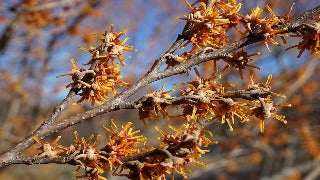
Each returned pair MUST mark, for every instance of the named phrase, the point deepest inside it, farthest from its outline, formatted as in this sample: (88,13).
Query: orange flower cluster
(264,108)
(87,155)
(122,144)
(101,79)
(310,35)
(212,106)
(51,150)
(212,100)
(93,160)
(174,152)
(207,26)
(269,26)
(208,29)
(239,60)
(154,98)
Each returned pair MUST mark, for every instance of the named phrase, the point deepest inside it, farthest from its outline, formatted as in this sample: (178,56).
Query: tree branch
(153,75)
(187,99)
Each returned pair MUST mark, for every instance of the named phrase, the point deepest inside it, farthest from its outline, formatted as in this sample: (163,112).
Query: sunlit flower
(239,60)
(205,27)
(265,26)
(51,150)
(310,35)
(101,79)
(155,99)
(177,149)
(227,109)
(122,143)
(265,109)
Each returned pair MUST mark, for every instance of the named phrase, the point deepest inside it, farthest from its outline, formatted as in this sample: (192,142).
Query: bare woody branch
(153,75)
(174,151)
(191,99)
(143,103)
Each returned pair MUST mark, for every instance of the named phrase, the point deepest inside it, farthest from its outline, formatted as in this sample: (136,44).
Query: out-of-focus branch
(302,168)
(10,29)
(51,44)
(49,5)
(13,152)
(314,173)
(308,72)
(7,33)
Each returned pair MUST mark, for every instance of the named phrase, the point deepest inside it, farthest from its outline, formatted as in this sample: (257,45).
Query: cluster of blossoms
(85,154)
(310,35)
(239,60)
(175,151)
(206,98)
(269,27)
(153,104)
(107,60)
(122,155)
(208,27)
(201,100)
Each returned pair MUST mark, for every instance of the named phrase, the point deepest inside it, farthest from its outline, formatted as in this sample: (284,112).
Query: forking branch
(120,101)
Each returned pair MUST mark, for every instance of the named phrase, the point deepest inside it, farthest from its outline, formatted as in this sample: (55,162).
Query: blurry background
(38,37)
